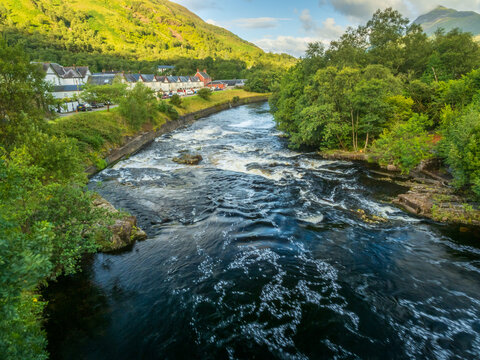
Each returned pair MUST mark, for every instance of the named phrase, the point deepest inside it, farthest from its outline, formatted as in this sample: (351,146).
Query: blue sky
(287,26)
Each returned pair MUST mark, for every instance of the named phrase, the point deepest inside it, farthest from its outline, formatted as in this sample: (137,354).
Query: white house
(67,82)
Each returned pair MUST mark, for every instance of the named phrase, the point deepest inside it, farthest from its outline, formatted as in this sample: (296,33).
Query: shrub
(139,106)
(406,144)
(205,93)
(460,146)
(168,109)
(176,100)
(236,99)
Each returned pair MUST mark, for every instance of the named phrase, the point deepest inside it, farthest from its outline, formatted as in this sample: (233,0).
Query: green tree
(139,106)
(24,98)
(107,94)
(205,93)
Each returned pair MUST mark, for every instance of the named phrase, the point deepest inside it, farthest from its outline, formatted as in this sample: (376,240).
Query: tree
(24,97)
(107,94)
(176,100)
(205,93)
(139,106)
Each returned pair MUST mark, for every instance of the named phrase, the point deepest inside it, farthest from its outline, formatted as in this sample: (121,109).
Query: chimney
(198,70)
(205,71)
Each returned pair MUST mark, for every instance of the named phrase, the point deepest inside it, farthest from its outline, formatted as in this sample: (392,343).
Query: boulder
(124,231)
(188,159)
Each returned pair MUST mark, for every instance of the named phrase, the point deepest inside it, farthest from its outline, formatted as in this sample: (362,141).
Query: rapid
(259,252)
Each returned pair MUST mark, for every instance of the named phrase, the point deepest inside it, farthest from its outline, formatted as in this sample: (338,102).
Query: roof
(132,78)
(204,75)
(173,79)
(67,88)
(216,82)
(195,79)
(166,67)
(184,78)
(69,72)
(148,77)
(101,79)
(233,82)
(161,78)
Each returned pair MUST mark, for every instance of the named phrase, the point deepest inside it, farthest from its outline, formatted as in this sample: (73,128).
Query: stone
(188,159)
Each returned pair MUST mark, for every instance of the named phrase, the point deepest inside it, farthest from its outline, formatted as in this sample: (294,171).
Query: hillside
(142,30)
(448,19)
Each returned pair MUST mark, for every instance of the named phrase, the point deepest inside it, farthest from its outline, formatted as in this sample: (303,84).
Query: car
(88,107)
(97,105)
(81,107)
(189,92)
(166,96)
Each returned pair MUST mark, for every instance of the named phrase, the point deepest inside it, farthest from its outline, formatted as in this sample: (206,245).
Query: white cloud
(364,9)
(285,44)
(258,23)
(211,22)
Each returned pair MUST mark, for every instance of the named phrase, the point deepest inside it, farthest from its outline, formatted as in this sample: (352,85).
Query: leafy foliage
(176,100)
(138,106)
(461,145)
(205,93)
(405,145)
(168,109)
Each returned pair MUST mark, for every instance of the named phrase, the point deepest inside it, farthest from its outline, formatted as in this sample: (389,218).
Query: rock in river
(188,159)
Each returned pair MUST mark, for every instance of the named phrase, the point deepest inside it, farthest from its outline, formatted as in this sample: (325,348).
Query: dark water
(259,253)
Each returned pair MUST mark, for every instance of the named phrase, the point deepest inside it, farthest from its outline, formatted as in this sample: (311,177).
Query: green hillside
(448,19)
(142,30)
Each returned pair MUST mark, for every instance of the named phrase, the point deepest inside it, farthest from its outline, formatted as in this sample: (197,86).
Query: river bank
(430,195)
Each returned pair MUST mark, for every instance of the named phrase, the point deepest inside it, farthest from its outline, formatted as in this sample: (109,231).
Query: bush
(205,93)
(168,110)
(176,100)
(236,99)
(460,146)
(406,145)
(139,106)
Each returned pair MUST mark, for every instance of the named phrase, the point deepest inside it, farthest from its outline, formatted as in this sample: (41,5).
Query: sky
(288,26)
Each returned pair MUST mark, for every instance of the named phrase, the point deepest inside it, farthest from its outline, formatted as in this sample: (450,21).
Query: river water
(259,252)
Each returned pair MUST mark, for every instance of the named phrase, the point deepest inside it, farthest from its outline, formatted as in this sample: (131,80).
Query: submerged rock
(124,230)
(188,159)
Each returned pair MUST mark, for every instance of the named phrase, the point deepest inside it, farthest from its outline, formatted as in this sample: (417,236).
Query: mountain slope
(143,30)
(448,19)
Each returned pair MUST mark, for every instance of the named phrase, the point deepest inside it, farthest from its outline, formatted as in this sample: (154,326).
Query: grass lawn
(196,103)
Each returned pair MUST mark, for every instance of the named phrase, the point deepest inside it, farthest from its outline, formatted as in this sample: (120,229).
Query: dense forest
(388,89)
(124,35)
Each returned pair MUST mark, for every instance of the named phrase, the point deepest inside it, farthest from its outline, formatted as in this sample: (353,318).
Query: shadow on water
(260,252)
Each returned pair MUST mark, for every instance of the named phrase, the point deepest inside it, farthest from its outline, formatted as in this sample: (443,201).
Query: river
(260,252)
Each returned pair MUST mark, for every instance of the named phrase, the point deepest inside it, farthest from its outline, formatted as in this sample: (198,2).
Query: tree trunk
(366,143)
(353,130)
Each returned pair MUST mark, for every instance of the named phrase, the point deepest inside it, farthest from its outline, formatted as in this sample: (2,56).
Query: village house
(164,84)
(67,82)
(204,77)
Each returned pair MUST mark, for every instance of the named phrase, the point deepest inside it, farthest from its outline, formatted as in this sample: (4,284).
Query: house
(204,77)
(163,68)
(217,84)
(67,81)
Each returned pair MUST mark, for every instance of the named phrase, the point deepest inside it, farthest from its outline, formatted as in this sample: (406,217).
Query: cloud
(295,46)
(212,22)
(364,9)
(258,23)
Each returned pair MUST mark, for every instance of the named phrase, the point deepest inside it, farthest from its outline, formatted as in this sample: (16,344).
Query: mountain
(142,30)
(448,19)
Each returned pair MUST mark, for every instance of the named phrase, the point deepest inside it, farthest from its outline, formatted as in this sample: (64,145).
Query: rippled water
(259,252)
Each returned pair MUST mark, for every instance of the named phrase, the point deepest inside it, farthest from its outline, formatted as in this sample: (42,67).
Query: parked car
(166,96)
(189,92)
(96,105)
(84,107)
